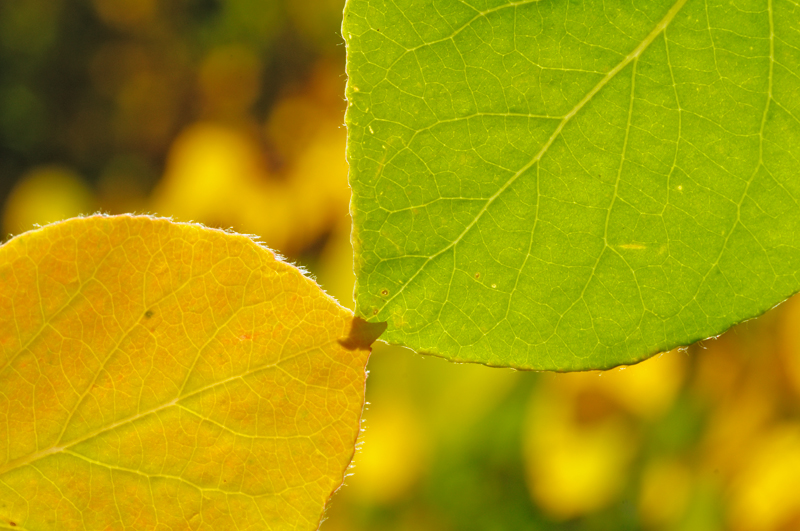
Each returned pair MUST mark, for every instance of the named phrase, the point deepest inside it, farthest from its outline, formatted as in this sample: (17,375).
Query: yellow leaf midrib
(41,454)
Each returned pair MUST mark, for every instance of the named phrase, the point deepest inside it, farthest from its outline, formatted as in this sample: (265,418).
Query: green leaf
(156,375)
(569,185)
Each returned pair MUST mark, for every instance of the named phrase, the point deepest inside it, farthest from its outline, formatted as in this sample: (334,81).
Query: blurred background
(230,113)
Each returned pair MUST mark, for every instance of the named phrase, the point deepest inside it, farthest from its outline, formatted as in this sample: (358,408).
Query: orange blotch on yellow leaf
(161,375)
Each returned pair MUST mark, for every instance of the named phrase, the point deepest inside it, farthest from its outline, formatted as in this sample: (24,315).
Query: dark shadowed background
(231,113)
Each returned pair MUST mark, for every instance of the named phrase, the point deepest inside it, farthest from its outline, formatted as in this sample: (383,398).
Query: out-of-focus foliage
(46,194)
(230,113)
(706,438)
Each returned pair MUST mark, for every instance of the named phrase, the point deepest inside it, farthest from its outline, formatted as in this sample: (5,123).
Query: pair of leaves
(542,184)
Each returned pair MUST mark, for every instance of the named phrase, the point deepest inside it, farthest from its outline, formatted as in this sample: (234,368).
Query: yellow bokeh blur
(391,456)
(218,174)
(765,494)
(580,440)
(335,273)
(577,449)
(212,175)
(665,491)
(43,195)
(646,389)
(790,343)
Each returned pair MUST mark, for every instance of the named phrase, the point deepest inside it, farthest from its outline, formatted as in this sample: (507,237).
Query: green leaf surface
(569,185)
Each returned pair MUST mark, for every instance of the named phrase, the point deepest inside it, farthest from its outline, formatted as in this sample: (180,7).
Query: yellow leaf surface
(164,376)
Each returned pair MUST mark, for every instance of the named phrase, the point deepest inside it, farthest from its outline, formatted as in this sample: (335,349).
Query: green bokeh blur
(230,113)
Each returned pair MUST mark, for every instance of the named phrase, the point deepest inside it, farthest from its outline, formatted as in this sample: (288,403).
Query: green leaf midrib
(643,45)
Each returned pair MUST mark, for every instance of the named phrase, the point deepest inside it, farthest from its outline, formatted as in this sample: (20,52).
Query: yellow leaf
(156,375)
